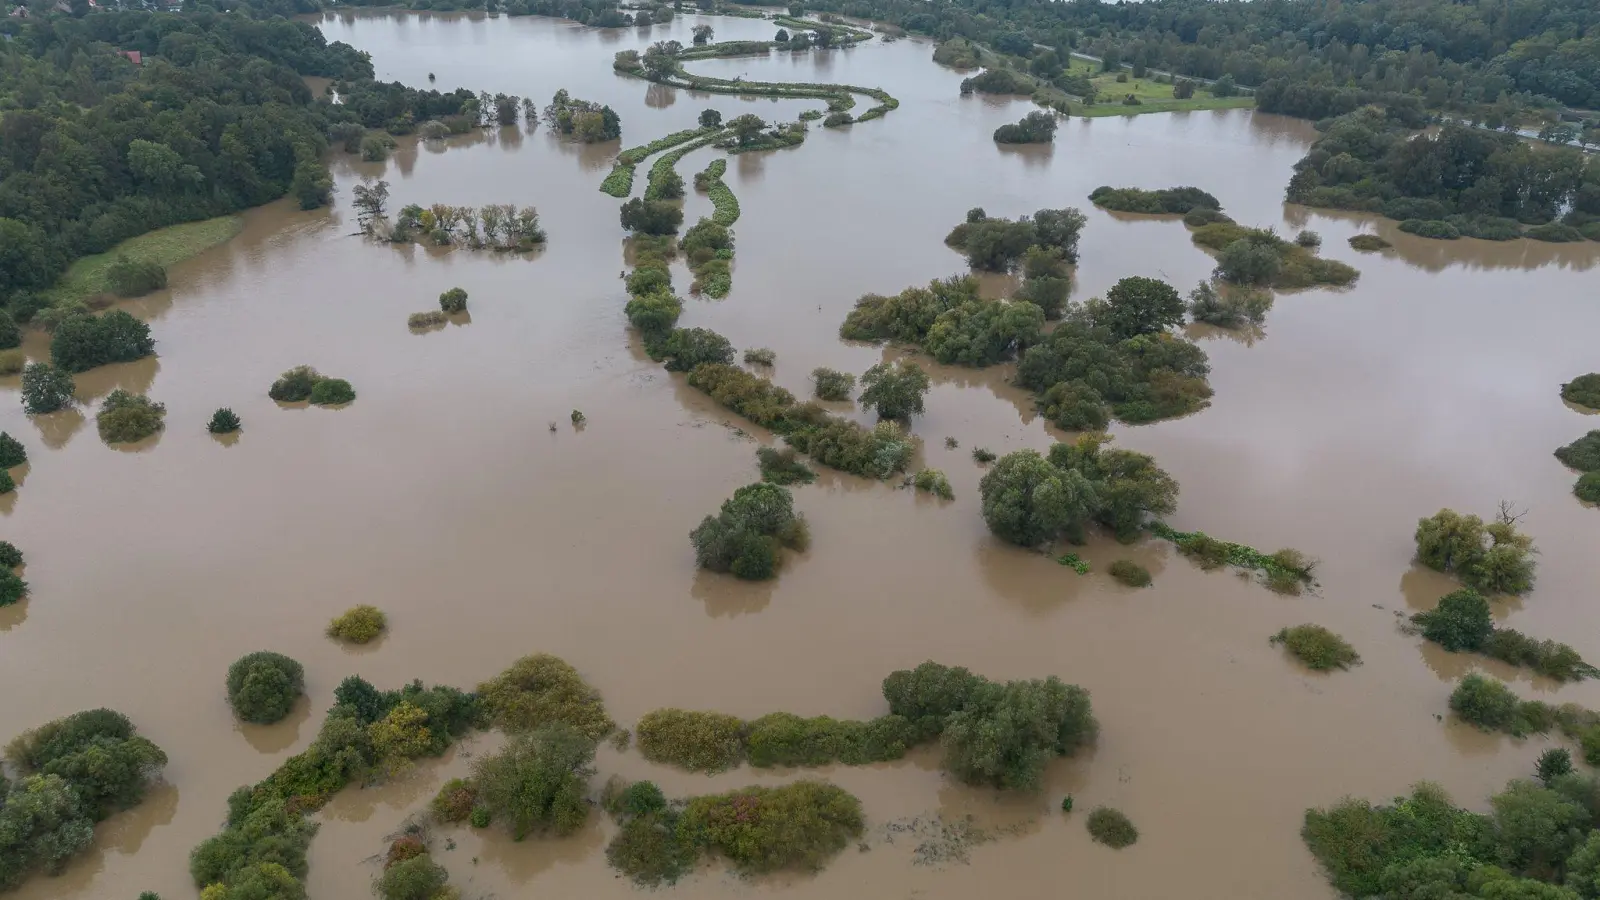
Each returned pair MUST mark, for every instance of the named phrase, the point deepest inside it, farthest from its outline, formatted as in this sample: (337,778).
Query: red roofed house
(133,56)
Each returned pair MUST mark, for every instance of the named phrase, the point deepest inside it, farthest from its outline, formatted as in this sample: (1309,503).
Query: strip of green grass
(166,246)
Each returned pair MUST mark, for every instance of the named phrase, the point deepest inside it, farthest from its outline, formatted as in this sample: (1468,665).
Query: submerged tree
(1493,558)
(745,536)
(896,391)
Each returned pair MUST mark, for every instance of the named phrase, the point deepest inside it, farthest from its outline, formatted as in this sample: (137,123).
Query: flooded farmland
(444,496)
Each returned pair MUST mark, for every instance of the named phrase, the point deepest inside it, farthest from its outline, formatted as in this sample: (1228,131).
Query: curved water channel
(442,496)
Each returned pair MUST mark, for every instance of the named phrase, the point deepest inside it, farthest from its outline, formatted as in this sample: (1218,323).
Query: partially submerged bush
(1587,487)
(455,801)
(697,741)
(1582,454)
(430,319)
(761,829)
(783,467)
(125,417)
(10,556)
(934,482)
(1493,558)
(1004,734)
(453,301)
(1369,243)
(686,348)
(744,538)
(1583,390)
(649,847)
(896,391)
(1130,573)
(359,624)
(537,783)
(12,587)
(295,385)
(1111,827)
(1460,621)
(785,739)
(82,342)
(1234,309)
(832,385)
(12,453)
(135,278)
(1317,647)
(223,421)
(761,356)
(1172,201)
(12,361)
(332,392)
(263,686)
(1487,703)
(45,389)
(542,689)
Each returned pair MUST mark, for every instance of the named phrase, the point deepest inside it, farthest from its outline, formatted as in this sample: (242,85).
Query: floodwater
(443,496)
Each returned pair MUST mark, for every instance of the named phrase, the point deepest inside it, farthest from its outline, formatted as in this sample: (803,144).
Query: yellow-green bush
(698,741)
(359,624)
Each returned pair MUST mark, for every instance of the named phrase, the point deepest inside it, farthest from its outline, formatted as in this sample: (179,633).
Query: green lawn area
(167,246)
(1153,95)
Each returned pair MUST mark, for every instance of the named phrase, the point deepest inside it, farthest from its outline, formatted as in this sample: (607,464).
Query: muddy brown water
(442,496)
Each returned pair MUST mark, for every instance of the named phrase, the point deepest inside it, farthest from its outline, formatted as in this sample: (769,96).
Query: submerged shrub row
(1461,622)
(1285,571)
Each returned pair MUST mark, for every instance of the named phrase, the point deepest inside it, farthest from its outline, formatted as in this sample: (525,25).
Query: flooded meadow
(456,494)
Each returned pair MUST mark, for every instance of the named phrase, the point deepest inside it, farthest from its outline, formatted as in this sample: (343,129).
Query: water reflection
(659,96)
(280,735)
(56,428)
(725,596)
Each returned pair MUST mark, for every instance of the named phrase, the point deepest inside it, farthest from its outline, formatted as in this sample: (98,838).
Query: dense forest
(1318,58)
(216,117)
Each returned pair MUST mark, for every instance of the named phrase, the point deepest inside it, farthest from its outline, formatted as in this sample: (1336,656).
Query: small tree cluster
(582,119)
(745,537)
(1317,647)
(1166,201)
(1234,308)
(304,383)
(81,342)
(1037,127)
(1583,390)
(998,245)
(45,389)
(223,421)
(502,226)
(994,734)
(74,772)
(895,390)
(783,467)
(684,349)
(125,417)
(829,384)
(1461,622)
(761,829)
(12,453)
(651,216)
(693,740)
(537,783)
(934,482)
(263,686)
(1493,558)
(1029,499)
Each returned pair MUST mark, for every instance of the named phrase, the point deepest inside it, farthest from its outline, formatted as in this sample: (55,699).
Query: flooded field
(443,496)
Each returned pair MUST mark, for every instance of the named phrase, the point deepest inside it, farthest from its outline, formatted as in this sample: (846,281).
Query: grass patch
(1317,647)
(89,276)
(725,206)
(1153,96)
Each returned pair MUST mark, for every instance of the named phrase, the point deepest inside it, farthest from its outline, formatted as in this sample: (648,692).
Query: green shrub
(1493,558)
(125,417)
(745,536)
(263,686)
(480,818)
(81,343)
(12,453)
(12,587)
(934,482)
(1111,827)
(783,467)
(543,689)
(1130,573)
(12,361)
(1548,658)
(430,319)
(1005,734)
(1430,228)
(697,741)
(1027,501)
(1587,487)
(929,694)
(1583,390)
(760,829)
(655,217)
(223,421)
(10,556)
(1317,647)
(1582,454)
(1460,621)
(1368,243)
(453,301)
(417,878)
(7,483)
(638,799)
(1555,233)
(983,456)
(538,781)
(134,278)
(760,357)
(455,801)
(359,624)
(1553,763)
(909,315)
(1171,201)
(896,391)
(650,849)
(45,389)
(832,385)
(686,348)
(1487,703)
(295,385)
(1235,309)
(332,392)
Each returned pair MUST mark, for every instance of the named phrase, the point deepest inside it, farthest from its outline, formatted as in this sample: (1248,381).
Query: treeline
(1442,53)
(217,118)
(1454,182)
